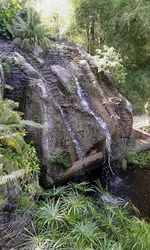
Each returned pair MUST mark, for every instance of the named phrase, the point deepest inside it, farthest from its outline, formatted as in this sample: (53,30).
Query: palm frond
(29,31)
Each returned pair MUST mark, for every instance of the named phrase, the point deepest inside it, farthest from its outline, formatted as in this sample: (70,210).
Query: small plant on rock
(60,158)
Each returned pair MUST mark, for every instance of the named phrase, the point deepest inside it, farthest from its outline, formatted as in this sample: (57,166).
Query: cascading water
(73,135)
(87,107)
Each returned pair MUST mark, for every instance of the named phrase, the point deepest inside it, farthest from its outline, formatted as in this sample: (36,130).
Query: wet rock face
(2,82)
(79,111)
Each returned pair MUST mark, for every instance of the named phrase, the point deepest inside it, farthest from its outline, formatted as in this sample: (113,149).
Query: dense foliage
(22,23)
(8,10)
(122,24)
(143,159)
(137,87)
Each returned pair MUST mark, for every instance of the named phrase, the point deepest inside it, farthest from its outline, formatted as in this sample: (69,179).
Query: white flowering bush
(110,62)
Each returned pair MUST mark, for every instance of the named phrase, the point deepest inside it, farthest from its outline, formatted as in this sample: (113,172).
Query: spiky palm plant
(48,240)
(50,215)
(86,233)
(75,204)
(36,241)
(28,30)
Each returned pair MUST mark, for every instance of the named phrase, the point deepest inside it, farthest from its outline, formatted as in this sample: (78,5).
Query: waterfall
(73,135)
(102,124)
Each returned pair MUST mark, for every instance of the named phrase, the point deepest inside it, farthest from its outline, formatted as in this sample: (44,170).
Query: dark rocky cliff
(79,110)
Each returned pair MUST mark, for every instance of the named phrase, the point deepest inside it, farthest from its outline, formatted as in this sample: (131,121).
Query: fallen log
(80,167)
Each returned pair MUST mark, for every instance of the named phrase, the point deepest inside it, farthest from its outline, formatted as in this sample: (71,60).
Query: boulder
(81,112)
(65,77)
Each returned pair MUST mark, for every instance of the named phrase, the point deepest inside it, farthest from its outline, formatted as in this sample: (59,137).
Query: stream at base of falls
(132,185)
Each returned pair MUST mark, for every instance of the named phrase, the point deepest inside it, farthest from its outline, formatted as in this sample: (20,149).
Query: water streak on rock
(102,124)
(73,135)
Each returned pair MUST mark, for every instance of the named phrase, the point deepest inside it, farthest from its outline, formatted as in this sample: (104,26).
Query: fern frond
(4,179)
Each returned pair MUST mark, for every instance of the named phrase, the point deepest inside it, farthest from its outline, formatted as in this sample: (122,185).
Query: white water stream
(102,124)
(87,108)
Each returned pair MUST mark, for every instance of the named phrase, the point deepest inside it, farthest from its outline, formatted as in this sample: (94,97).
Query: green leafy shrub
(28,30)
(60,158)
(132,26)
(27,159)
(24,202)
(143,159)
(111,63)
(135,159)
(8,10)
